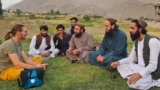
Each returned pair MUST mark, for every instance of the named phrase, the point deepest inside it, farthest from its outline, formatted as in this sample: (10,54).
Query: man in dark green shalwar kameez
(112,48)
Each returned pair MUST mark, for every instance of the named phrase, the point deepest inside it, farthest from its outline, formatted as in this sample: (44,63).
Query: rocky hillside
(121,9)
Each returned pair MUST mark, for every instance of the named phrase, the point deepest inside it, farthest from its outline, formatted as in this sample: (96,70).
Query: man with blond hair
(12,57)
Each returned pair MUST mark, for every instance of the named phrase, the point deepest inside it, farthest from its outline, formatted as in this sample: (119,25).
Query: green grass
(61,74)
(80,76)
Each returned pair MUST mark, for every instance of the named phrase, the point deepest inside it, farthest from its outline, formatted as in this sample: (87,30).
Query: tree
(52,12)
(1,10)
(57,12)
(18,12)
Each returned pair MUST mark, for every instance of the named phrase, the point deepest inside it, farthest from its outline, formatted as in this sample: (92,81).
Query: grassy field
(61,74)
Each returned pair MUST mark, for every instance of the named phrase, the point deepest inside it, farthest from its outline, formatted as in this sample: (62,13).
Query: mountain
(132,9)
(150,1)
(109,8)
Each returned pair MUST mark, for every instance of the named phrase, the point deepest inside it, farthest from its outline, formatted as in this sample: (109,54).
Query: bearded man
(80,45)
(42,44)
(142,67)
(112,48)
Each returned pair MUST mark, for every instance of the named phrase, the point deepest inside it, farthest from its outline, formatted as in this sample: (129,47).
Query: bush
(57,12)
(86,18)
(128,19)
(95,16)
(47,18)
(32,17)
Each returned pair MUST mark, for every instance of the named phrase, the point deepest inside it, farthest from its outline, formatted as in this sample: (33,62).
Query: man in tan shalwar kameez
(80,45)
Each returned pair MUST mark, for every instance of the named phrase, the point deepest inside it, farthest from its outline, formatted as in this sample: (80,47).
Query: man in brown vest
(42,44)
(141,68)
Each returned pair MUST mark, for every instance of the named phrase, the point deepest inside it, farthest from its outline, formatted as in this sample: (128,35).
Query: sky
(7,3)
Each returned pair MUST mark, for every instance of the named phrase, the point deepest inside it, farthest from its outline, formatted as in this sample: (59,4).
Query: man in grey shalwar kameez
(80,45)
(113,46)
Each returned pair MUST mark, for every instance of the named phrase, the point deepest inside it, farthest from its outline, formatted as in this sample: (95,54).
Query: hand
(100,58)
(44,65)
(114,64)
(69,51)
(42,54)
(133,78)
(46,54)
(41,66)
(75,51)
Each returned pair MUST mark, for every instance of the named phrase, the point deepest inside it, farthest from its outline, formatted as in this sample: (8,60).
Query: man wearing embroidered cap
(142,67)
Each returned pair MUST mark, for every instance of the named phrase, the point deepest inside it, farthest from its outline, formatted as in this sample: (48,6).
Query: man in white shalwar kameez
(43,45)
(134,67)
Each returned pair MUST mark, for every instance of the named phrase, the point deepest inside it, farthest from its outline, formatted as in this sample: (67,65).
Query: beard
(78,35)
(135,36)
(23,38)
(110,33)
(44,35)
